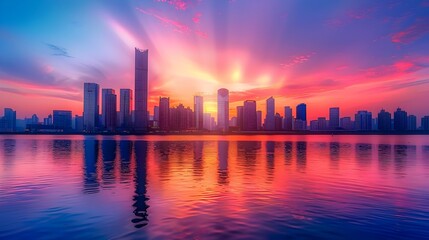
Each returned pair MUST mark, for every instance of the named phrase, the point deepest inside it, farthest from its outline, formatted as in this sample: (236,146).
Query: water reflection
(91,184)
(301,156)
(198,160)
(140,199)
(222,154)
(247,150)
(61,149)
(125,149)
(334,154)
(288,153)
(384,156)
(270,154)
(109,156)
(364,154)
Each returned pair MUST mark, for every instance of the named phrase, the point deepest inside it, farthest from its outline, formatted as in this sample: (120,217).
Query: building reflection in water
(222,154)
(9,149)
(198,160)
(247,153)
(301,156)
(61,149)
(402,154)
(363,154)
(91,184)
(162,156)
(384,157)
(140,199)
(125,150)
(288,153)
(334,154)
(270,149)
(109,155)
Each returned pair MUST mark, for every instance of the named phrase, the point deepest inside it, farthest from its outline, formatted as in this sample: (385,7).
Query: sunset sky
(357,55)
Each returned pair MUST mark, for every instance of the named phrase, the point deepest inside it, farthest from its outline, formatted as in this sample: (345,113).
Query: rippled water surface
(214,187)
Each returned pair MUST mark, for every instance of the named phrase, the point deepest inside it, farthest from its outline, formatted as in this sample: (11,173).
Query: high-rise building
(270,123)
(141,90)
(8,121)
(109,107)
(301,117)
(199,112)
(288,119)
(223,109)
(164,113)
(78,123)
(125,108)
(334,118)
(156,113)
(363,121)
(259,120)
(412,123)
(346,123)
(240,118)
(249,116)
(62,120)
(322,124)
(90,106)
(49,121)
(425,123)
(400,120)
(384,120)
(278,122)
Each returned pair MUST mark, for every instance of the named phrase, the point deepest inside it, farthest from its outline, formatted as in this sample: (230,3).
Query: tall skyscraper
(109,109)
(62,120)
(270,115)
(141,90)
(259,120)
(164,113)
(249,116)
(8,121)
(334,118)
(199,112)
(288,119)
(90,106)
(301,117)
(400,118)
(240,118)
(105,93)
(412,123)
(384,120)
(223,109)
(363,121)
(125,108)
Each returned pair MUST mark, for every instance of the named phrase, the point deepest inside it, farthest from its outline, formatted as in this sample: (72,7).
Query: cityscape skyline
(363,48)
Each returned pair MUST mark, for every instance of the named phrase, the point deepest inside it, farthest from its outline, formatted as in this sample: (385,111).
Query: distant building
(125,108)
(199,112)
(78,123)
(249,116)
(223,109)
(8,121)
(270,114)
(258,120)
(48,120)
(141,90)
(346,123)
(322,123)
(314,125)
(181,118)
(62,120)
(425,123)
(288,119)
(400,119)
(363,121)
(300,122)
(208,122)
(412,123)
(164,113)
(384,121)
(109,109)
(278,122)
(240,118)
(334,118)
(91,106)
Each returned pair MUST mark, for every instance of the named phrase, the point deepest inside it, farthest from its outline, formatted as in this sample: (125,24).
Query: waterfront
(166,187)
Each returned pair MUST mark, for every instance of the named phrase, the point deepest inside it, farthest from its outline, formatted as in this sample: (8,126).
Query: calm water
(212,187)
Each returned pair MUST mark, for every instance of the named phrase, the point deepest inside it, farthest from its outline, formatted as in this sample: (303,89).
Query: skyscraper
(249,116)
(105,92)
(301,117)
(62,120)
(199,112)
(240,117)
(223,109)
(259,120)
(270,114)
(384,120)
(8,121)
(125,108)
(164,113)
(90,106)
(109,109)
(425,123)
(334,118)
(412,123)
(141,90)
(363,120)
(288,118)
(400,120)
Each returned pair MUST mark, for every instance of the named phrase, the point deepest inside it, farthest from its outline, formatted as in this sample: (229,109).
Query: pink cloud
(413,32)
(296,60)
(178,4)
(197,17)
(178,26)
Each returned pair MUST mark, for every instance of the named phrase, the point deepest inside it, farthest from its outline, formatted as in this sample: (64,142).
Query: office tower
(223,109)
(270,114)
(156,113)
(141,90)
(314,125)
(62,120)
(346,123)
(240,118)
(34,119)
(8,121)
(164,113)
(278,122)
(384,120)
(288,118)
(106,103)
(334,118)
(208,124)
(412,123)
(322,123)
(49,120)
(110,112)
(249,116)
(125,108)
(90,106)
(301,117)
(425,123)
(400,120)
(78,123)
(259,120)
(363,121)
(199,112)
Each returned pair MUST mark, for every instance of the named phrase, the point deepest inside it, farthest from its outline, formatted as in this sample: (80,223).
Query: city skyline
(45,69)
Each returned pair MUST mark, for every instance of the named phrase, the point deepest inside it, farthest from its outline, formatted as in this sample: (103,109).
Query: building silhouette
(288,119)
(301,117)
(270,114)
(278,122)
(412,123)
(62,120)
(108,108)
(249,116)
(240,117)
(90,106)
(425,123)
(164,113)
(125,108)
(346,123)
(8,121)
(334,118)
(400,120)
(223,109)
(199,112)
(384,120)
(141,90)
(259,120)
(363,121)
